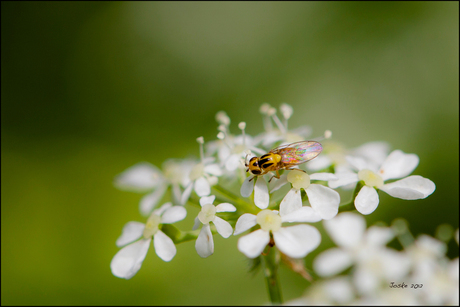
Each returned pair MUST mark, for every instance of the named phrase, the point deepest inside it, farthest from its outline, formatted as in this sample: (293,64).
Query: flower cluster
(261,185)
(379,274)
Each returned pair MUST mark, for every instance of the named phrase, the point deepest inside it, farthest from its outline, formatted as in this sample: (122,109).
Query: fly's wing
(298,153)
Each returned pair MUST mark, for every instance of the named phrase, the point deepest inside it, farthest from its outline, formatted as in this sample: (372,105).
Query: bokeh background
(91,88)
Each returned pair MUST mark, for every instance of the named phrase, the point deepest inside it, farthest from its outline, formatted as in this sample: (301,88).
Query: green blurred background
(91,88)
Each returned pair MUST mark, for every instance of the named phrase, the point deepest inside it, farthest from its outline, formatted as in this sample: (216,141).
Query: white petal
(232,163)
(140,177)
(245,222)
(173,214)
(365,280)
(395,264)
(213,169)
(223,227)
(149,201)
(247,187)
(196,224)
(339,290)
(131,232)
(297,241)
(225,207)
(257,150)
(176,193)
(204,244)
(186,195)
(253,244)
(324,200)
(261,196)
(128,260)
(332,262)
(367,200)
(304,214)
(346,229)
(344,178)
(164,246)
(162,209)
(207,200)
(379,236)
(357,162)
(202,187)
(276,184)
(291,202)
(398,164)
(323,176)
(430,246)
(319,163)
(412,187)
(376,152)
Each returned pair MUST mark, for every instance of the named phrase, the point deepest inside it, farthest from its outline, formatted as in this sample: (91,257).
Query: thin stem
(250,208)
(350,206)
(270,265)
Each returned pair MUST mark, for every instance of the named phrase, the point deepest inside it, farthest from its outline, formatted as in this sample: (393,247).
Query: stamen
(222,128)
(222,118)
(272,113)
(222,136)
(264,108)
(200,140)
(242,126)
(327,135)
(287,111)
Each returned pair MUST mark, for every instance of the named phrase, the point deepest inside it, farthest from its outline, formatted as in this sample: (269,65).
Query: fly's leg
(277,176)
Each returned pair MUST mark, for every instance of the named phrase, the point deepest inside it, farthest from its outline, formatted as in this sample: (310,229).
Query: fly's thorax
(269,162)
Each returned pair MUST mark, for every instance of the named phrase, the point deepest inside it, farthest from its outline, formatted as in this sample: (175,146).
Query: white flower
(295,241)
(434,270)
(366,249)
(260,188)
(281,133)
(128,260)
(231,149)
(235,150)
(144,177)
(334,154)
(396,165)
(204,243)
(322,199)
(334,291)
(202,176)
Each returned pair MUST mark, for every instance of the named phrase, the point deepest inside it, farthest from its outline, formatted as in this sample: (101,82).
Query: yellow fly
(284,157)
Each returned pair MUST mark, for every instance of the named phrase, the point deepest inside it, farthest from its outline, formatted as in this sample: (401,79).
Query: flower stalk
(270,264)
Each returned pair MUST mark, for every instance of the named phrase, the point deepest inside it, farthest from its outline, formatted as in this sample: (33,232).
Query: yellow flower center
(152,226)
(268,220)
(299,179)
(207,213)
(197,172)
(370,178)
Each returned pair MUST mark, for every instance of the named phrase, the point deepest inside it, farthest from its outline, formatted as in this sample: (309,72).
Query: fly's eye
(253,161)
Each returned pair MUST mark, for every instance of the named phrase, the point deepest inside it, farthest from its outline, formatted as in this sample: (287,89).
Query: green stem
(179,236)
(350,206)
(248,207)
(270,265)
